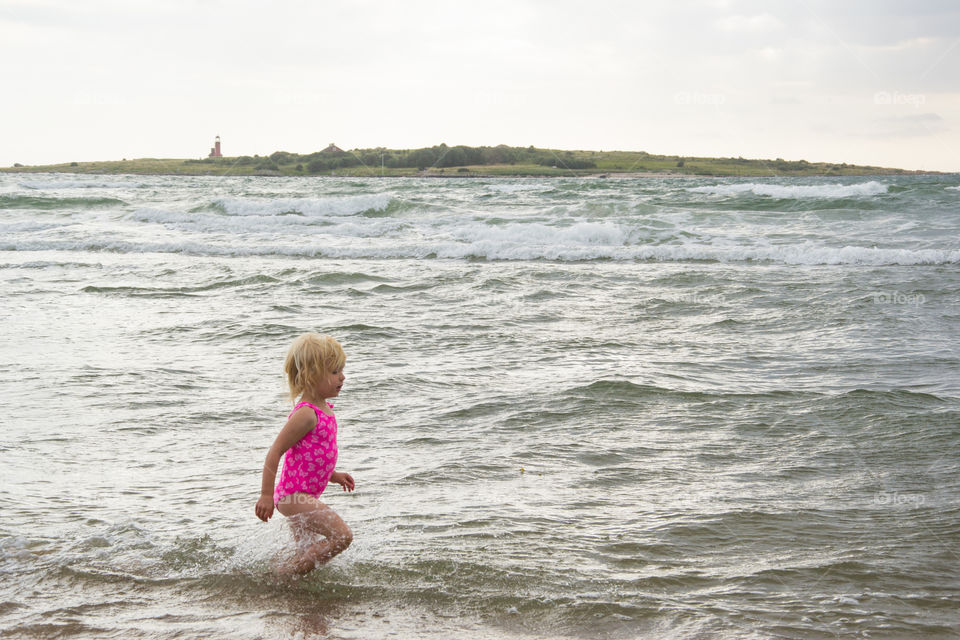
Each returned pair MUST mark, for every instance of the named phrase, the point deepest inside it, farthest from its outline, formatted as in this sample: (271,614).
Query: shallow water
(574,407)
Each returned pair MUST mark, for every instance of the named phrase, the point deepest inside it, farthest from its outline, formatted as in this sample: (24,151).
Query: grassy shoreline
(551,162)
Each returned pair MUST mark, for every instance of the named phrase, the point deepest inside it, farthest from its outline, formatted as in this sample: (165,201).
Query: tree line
(436,157)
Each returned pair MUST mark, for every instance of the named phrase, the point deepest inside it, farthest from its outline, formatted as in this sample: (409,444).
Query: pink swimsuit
(308,464)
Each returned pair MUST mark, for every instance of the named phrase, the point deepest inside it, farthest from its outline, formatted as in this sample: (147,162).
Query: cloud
(884,22)
(758,23)
(921,125)
(558,73)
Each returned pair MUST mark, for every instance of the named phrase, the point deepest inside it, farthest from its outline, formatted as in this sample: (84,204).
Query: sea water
(621,408)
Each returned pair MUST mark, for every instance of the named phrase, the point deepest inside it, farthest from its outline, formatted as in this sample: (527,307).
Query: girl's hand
(265,507)
(345,480)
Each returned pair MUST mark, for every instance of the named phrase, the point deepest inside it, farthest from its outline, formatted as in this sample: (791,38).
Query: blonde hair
(311,356)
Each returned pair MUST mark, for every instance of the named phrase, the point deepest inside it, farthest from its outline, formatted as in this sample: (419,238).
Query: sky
(864,82)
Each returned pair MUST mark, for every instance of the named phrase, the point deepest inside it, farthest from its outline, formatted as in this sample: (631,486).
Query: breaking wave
(44,185)
(342,206)
(494,250)
(795,191)
(43,202)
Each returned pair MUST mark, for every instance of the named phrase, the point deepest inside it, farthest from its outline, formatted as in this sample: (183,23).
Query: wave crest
(796,191)
(393,248)
(337,206)
(45,185)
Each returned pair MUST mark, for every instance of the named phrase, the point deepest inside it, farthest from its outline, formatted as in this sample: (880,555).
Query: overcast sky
(866,82)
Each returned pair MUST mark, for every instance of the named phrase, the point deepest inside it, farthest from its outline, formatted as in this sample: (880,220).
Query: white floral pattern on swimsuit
(308,464)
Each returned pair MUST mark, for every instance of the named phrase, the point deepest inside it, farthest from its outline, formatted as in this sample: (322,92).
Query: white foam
(796,191)
(516,188)
(957,188)
(15,548)
(386,247)
(537,234)
(331,227)
(343,206)
(205,221)
(787,254)
(26,227)
(803,254)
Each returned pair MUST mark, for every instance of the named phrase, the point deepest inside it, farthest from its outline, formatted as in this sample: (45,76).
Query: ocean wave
(15,201)
(527,234)
(795,191)
(26,227)
(341,206)
(203,221)
(802,254)
(76,184)
(957,188)
(394,248)
(517,188)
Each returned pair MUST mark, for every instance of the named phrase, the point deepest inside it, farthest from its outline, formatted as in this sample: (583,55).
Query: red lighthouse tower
(215,151)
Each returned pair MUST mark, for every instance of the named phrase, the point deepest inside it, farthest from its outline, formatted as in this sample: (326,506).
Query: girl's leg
(310,516)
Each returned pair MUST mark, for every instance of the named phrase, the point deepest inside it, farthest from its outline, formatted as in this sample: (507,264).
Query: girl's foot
(285,568)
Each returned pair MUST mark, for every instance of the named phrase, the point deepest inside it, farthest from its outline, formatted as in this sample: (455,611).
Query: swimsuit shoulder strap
(316,409)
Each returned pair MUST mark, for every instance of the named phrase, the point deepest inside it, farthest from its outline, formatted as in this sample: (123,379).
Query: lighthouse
(215,151)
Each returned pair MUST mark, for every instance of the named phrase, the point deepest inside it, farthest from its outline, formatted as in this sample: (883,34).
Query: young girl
(314,368)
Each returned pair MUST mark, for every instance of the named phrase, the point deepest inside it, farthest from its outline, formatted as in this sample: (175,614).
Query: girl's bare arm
(299,425)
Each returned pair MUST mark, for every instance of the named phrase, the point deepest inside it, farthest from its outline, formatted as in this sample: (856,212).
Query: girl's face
(329,386)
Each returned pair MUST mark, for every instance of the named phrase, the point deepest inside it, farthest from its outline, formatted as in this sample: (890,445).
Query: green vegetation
(463,161)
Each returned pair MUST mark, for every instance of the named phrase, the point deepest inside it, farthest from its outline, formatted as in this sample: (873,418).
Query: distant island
(462,161)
